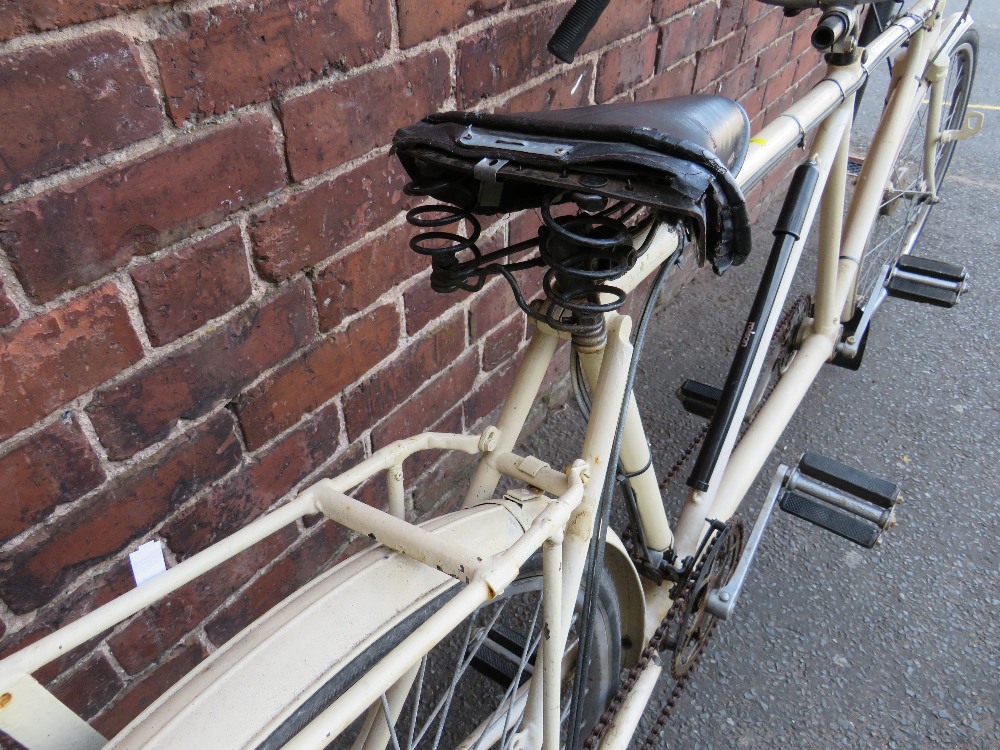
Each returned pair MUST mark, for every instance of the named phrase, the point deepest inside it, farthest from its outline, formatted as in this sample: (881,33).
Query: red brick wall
(205,297)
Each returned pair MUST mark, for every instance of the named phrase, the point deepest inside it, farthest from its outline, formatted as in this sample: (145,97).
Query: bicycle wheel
(470,690)
(906,201)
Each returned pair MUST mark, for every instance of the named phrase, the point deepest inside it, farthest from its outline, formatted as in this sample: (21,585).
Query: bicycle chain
(659,637)
(653,647)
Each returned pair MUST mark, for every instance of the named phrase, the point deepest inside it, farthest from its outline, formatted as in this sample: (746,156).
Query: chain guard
(695,626)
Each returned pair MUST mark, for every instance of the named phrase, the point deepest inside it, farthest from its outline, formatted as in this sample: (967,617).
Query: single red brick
(810,76)
(754,10)
(318,548)
(675,81)
(140,695)
(623,67)
(312,226)
(731,17)
(424,306)
(56,466)
(503,344)
(330,126)
(752,103)
(391,385)
(761,34)
(143,408)
(89,688)
(802,38)
(348,285)
(737,82)
(133,505)
(684,35)
(180,293)
(256,487)
(571,88)
(426,407)
(716,61)
(505,55)
(12,23)
(232,55)
(771,59)
(43,15)
(485,400)
(53,358)
(79,232)
(8,310)
(780,83)
(492,305)
(623,20)
(312,379)
(663,9)
(156,629)
(421,21)
(98,79)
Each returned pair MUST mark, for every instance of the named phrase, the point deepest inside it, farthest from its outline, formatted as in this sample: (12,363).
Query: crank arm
(721,602)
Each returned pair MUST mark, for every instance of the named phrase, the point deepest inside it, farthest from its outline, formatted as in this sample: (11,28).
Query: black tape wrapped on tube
(573,30)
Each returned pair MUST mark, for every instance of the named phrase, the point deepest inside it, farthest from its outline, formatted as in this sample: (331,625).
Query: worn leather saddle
(677,155)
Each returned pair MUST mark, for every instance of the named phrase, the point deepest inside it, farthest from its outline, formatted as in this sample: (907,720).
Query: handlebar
(575,27)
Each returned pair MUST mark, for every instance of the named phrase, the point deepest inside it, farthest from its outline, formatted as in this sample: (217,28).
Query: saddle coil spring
(581,254)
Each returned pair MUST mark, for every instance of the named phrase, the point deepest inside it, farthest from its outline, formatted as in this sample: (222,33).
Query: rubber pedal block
(846,478)
(934,268)
(500,668)
(917,292)
(838,521)
(699,399)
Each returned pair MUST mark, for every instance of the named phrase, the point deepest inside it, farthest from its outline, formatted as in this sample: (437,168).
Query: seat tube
(635,456)
(827,313)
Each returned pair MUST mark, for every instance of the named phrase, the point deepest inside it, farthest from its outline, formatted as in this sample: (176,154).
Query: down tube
(719,501)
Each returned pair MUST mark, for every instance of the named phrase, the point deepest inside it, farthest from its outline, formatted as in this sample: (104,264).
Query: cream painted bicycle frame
(562,528)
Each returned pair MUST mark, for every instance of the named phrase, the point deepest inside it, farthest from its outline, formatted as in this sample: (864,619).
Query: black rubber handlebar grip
(573,30)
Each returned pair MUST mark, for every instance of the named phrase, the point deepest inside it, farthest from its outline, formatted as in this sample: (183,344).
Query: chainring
(696,624)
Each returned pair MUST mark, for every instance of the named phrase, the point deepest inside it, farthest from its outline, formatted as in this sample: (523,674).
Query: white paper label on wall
(147,562)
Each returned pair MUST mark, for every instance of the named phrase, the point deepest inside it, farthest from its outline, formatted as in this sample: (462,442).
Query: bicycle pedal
(840,498)
(699,399)
(925,280)
(848,479)
(933,268)
(499,657)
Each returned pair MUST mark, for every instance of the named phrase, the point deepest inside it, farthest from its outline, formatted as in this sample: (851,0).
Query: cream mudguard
(388,606)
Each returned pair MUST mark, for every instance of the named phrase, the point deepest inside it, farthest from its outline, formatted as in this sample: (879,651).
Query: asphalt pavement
(832,645)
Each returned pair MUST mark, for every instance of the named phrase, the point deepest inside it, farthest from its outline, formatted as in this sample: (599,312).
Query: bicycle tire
(602,676)
(905,206)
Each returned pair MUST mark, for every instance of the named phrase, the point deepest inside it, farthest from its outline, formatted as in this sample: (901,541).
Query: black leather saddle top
(710,122)
(677,155)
